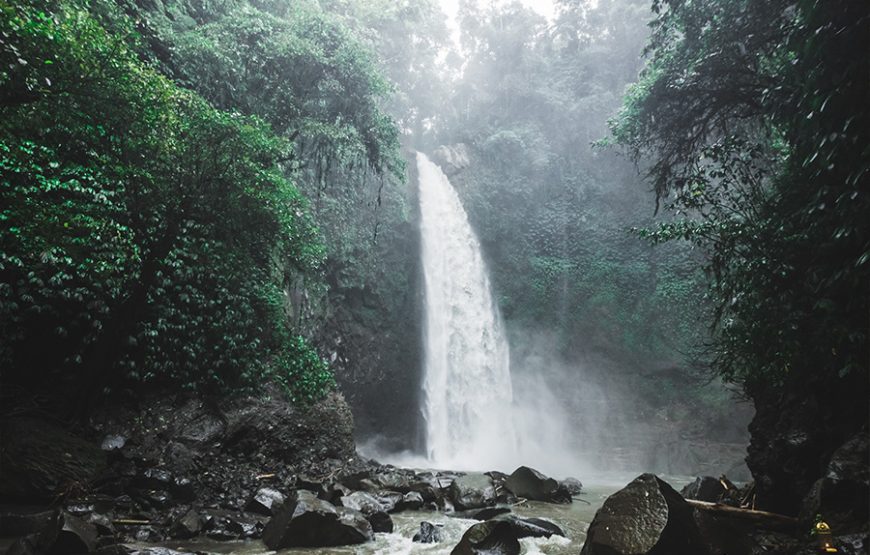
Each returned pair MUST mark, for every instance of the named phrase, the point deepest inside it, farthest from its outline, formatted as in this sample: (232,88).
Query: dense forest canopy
(214,196)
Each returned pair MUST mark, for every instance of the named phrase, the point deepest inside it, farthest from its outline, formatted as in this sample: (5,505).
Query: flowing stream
(467,383)
(574,519)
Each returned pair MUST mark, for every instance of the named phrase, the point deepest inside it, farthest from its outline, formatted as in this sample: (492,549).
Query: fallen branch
(131,522)
(264,476)
(762,518)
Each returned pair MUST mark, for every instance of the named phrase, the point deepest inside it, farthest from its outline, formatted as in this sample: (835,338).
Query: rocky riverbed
(254,475)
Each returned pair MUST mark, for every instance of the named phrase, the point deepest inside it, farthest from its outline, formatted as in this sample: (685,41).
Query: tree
(147,235)
(752,119)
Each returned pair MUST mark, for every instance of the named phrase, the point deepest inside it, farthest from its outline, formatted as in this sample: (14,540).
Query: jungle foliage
(149,232)
(553,212)
(752,118)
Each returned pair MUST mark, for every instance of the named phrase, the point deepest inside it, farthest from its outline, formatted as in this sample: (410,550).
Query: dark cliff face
(374,336)
(796,432)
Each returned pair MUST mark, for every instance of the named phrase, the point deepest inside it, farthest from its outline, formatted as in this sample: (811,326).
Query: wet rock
(411,501)
(572,486)
(113,442)
(75,536)
(429,533)
(230,525)
(389,500)
(187,526)
(472,491)
(265,501)
(481,514)
(531,527)
(363,502)
(371,507)
(305,521)
(841,494)
(492,537)
(704,488)
(646,517)
(528,483)
(381,522)
(313,485)
(153,478)
(148,534)
(393,480)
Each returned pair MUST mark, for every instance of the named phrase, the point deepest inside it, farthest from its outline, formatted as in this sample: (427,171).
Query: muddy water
(574,520)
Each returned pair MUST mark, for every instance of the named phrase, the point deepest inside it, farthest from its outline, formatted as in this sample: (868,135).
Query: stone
(841,494)
(429,533)
(381,522)
(230,525)
(528,483)
(265,501)
(187,526)
(364,502)
(704,488)
(113,442)
(532,527)
(492,537)
(372,508)
(306,521)
(572,485)
(646,517)
(411,501)
(389,500)
(472,491)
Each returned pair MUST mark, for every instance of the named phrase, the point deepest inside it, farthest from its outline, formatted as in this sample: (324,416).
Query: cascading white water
(467,382)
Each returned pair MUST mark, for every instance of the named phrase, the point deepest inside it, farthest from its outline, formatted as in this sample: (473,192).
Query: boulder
(306,521)
(493,537)
(381,522)
(572,485)
(841,494)
(187,526)
(429,533)
(372,508)
(226,525)
(75,536)
(530,484)
(531,527)
(704,488)
(364,502)
(411,501)
(472,491)
(647,517)
(389,500)
(265,501)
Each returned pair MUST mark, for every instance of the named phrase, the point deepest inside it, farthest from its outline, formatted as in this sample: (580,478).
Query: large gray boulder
(306,521)
(530,484)
(472,491)
(493,537)
(646,517)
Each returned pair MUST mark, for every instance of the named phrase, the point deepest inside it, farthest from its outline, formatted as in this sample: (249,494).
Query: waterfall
(467,383)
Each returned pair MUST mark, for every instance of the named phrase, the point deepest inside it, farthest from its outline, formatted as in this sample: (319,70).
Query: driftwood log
(762,519)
